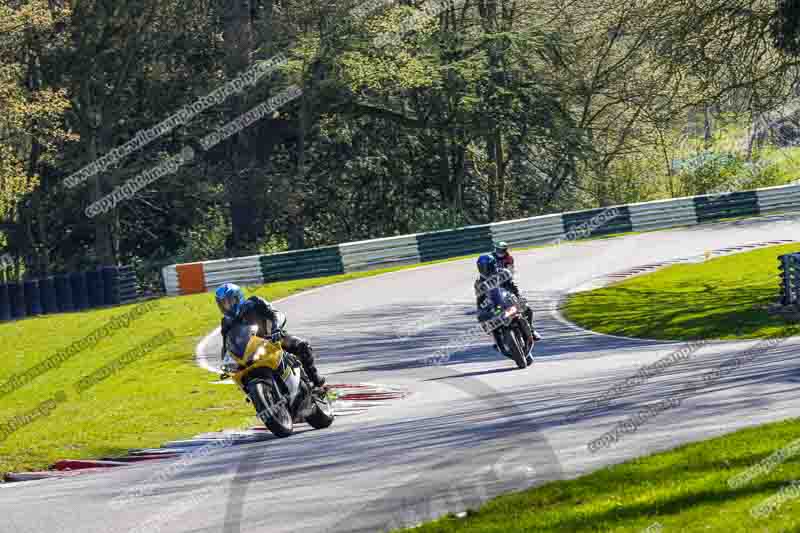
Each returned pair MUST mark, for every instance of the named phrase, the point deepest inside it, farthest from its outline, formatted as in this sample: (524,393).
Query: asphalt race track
(473,427)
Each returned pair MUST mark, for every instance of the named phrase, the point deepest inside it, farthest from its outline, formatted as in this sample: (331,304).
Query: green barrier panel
(311,263)
(454,243)
(727,205)
(597,222)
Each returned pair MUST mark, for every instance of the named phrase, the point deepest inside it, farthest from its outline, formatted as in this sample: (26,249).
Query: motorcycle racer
(506,260)
(489,269)
(257,311)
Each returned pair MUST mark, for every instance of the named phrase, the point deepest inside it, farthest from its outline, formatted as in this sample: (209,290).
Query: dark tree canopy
(786,26)
(476,111)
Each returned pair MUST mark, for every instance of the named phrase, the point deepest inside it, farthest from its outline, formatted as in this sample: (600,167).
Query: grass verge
(723,298)
(685,489)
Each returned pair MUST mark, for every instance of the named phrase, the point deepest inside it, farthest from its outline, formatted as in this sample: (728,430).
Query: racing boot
(313,374)
(529,317)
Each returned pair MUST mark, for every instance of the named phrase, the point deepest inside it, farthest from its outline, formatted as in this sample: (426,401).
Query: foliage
(406,123)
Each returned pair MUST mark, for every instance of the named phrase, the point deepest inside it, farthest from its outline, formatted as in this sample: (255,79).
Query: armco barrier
(735,204)
(580,223)
(191,276)
(377,253)
(662,214)
(170,280)
(311,263)
(242,270)
(411,249)
(779,199)
(454,242)
(530,231)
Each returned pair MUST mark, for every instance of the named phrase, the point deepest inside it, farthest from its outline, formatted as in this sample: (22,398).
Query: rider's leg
(528,311)
(302,349)
(529,317)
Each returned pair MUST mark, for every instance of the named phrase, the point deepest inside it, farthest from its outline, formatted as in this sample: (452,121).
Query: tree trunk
(708,134)
(295,216)
(492,179)
(246,226)
(499,172)
(103,223)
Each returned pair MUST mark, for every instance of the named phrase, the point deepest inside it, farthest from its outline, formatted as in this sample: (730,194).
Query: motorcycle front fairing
(253,354)
(496,301)
(500,297)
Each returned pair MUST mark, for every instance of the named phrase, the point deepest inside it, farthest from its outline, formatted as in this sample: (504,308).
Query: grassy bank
(687,489)
(723,298)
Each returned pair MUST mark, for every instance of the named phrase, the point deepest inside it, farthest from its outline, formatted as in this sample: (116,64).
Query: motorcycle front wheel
(527,334)
(516,344)
(272,409)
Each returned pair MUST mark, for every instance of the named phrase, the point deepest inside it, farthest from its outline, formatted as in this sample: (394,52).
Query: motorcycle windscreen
(239,339)
(272,354)
(498,297)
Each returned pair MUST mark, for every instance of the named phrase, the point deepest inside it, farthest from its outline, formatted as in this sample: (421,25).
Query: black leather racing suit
(258,311)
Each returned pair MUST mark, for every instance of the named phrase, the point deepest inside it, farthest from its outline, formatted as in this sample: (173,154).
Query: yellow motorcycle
(274,382)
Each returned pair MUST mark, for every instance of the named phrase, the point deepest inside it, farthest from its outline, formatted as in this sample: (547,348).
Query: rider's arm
(510,264)
(262,308)
(480,294)
(224,326)
(264,314)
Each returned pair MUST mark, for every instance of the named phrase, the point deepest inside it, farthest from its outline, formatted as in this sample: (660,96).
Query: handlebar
(276,335)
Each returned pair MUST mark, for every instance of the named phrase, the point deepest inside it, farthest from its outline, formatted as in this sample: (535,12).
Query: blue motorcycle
(502,315)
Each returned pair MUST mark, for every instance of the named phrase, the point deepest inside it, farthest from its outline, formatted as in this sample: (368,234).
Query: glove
(229,365)
(229,368)
(225,325)
(276,335)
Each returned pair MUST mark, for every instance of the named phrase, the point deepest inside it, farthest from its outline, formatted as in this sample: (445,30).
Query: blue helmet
(487,265)
(230,298)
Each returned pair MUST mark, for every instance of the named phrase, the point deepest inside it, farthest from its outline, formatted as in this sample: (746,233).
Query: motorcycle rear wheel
(323,414)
